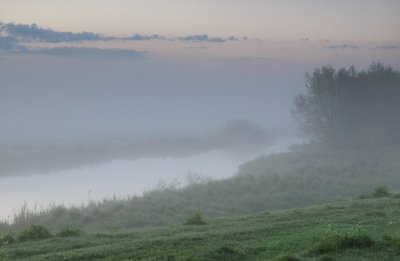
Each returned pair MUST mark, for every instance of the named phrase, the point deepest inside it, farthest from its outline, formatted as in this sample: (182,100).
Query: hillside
(300,178)
(362,229)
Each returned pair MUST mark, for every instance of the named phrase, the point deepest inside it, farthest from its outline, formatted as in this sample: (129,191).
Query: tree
(349,107)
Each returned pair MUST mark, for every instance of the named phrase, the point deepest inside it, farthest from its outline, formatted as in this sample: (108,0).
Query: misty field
(187,130)
(270,210)
(304,177)
(241,218)
(359,229)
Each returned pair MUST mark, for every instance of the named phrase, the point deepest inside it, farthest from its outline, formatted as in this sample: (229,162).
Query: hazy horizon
(85,84)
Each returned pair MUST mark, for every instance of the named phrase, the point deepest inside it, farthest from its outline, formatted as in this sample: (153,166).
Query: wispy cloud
(8,43)
(21,39)
(201,38)
(342,46)
(30,33)
(142,37)
(83,52)
(35,33)
(386,47)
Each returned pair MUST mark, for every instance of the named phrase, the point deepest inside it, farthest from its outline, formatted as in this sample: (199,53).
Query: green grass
(359,229)
(297,179)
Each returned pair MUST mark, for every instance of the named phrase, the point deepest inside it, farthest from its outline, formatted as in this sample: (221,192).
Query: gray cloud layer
(8,43)
(83,52)
(15,37)
(34,33)
(142,37)
(343,46)
(201,38)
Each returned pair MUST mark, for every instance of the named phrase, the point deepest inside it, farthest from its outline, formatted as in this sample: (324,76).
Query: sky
(101,94)
(98,68)
(356,20)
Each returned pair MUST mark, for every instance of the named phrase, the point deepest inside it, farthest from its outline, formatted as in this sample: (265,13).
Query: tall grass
(294,179)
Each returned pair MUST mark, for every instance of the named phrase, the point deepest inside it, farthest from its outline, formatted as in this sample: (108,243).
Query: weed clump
(35,232)
(226,253)
(196,219)
(69,231)
(379,192)
(390,241)
(6,240)
(337,243)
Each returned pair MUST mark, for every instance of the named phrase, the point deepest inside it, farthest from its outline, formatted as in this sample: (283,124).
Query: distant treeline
(350,107)
(24,157)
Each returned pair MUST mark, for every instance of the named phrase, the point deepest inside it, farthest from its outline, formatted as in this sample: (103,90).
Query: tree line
(349,107)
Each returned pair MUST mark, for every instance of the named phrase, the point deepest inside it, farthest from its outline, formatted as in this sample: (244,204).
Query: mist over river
(120,178)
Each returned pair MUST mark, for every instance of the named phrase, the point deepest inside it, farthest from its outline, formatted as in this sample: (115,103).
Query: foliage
(353,108)
(196,219)
(337,243)
(6,239)
(69,231)
(379,192)
(35,232)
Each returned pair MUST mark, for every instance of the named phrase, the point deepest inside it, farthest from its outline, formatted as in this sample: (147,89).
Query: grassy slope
(265,236)
(297,179)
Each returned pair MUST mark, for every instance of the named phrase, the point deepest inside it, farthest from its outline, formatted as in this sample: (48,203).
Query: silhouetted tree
(349,107)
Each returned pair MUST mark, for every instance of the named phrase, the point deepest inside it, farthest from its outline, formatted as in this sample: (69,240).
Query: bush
(6,240)
(336,243)
(380,192)
(196,219)
(35,232)
(69,232)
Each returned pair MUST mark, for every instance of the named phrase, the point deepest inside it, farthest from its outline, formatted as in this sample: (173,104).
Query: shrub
(380,192)
(196,219)
(35,232)
(6,240)
(69,231)
(336,243)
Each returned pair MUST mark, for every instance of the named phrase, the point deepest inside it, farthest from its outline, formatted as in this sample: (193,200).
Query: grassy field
(359,229)
(301,178)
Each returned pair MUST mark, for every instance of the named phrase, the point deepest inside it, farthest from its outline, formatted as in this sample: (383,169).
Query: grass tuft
(196,219)
(341,242)
(69,231)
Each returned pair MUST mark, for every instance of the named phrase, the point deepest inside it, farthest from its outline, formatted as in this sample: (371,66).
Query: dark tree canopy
(347,107)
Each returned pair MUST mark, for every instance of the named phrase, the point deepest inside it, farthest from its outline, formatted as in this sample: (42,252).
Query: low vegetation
(35,232)
(306,176)
(342,230)
(196,219)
